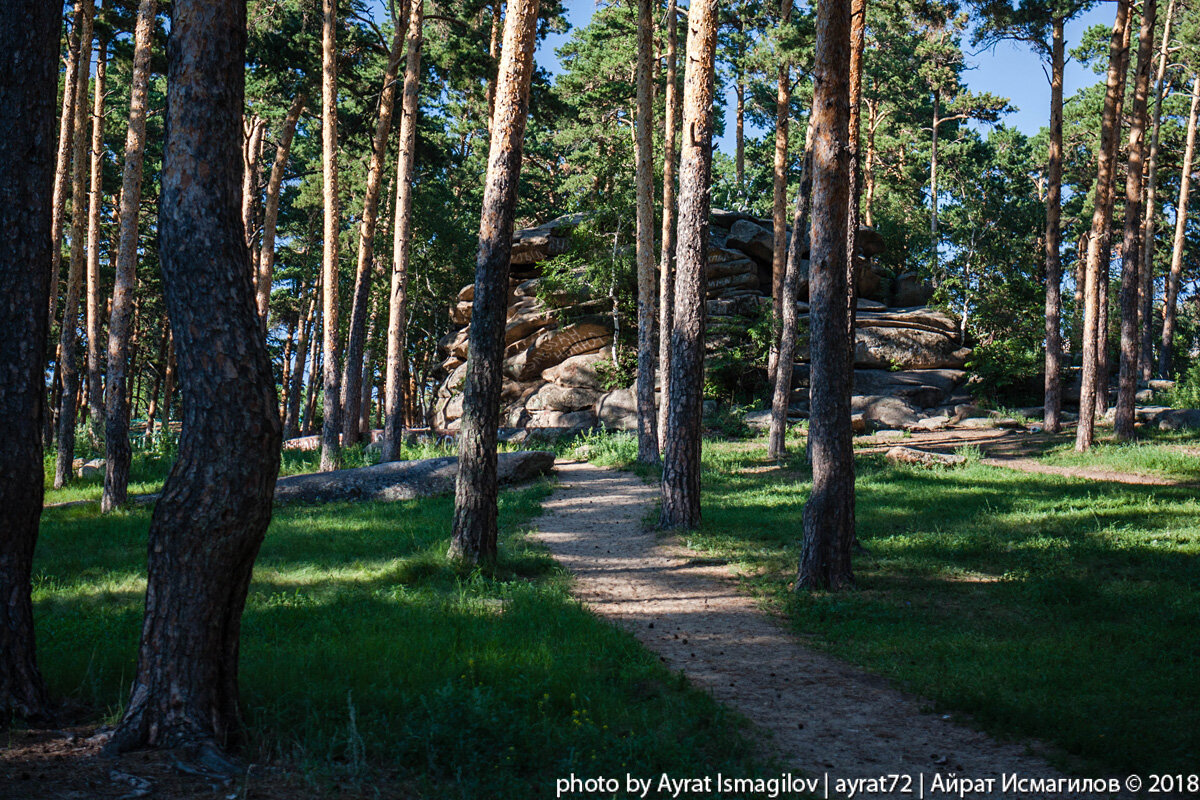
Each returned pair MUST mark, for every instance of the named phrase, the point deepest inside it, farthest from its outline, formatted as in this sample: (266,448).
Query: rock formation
(559,374)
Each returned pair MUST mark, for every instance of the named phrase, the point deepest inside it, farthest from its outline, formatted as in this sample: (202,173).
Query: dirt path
(824,716)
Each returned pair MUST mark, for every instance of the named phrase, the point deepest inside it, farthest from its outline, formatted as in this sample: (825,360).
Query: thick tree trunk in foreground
(1109,130)
(352,378)
(396,368)
(1054,166)
(216,504)
(475,528)
(331,425)
(1170,301)
(681,458)
(666,259)
(781,392)
(779,255)
(1149,222)
(829,512)
(644,158)
(95,310)
(266,254)
(28,47)
(68,365)
(1131,245)
(116,434)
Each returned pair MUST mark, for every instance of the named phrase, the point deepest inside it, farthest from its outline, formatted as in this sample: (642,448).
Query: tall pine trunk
(1106,158)
(783,101)
(68,364)
(266,254)
(29,38)
(62,162)
(396,367)
(254,128)
(829,512)
(291,416)
(1167,345)
(352,378)
(666,259)
(216,503)
(475,529)
(858,42)
(95,308)
(1054,167)
(644,159)
(1131,246)
(116,434)
(331,425)
(681,457)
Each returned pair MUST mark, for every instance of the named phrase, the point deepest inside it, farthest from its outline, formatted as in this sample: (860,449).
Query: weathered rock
(1158,385)
(858,424)
(975,423)
(552,397)
(454,383)
(864,304)
(528,321)
(467,293)
(532,245)
(915,349)
(582,371)
(1149,414)
(931,423)
(555,346)
(1179,419)
(871,283)
(403,480)
(922,388)
(90,468)
(562,419)
(752,239)
(870,242)
(924,458)
(617,410)
(743,280)
(1144,396)
(743,306)
(883,411)
(910,290)
(460,313)
(457,344)
(916,318)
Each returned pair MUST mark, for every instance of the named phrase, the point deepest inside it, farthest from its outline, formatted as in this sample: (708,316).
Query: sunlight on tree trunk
(331,425)
(1166,353)
(666,259)
(644,168)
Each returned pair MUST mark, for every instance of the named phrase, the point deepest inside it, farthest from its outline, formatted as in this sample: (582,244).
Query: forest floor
(823,716)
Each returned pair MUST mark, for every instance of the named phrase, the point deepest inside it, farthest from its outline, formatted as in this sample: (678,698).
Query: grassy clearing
(1162,454)
(366,659)
(1064,610)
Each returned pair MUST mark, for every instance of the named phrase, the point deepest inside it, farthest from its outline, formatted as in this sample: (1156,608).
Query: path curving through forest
(823,715)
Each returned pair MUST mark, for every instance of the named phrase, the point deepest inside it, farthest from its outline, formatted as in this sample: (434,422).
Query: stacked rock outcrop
(558,372)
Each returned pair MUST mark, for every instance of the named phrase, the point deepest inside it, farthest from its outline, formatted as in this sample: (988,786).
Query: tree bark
(783,101)
(68,369)
(1131,246)
(1109,131)
(397,335)
(352,379)
(1054,167)
(1150,223)
(95,309)
(644,158)
(858,41)
(266,255)
(116,434)
(666,260)
(168,384)
(29,38)
(216,504)
(291,422)
(1166,349)
(781,392)
(62,163)
(933,188)
(253,130)
(331,425)
(475,528)
(829,512)
(681,458)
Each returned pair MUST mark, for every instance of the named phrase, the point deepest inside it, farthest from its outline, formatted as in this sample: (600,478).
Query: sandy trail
(823,715)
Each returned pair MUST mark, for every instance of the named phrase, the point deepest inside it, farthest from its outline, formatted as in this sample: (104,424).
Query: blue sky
(1009,69)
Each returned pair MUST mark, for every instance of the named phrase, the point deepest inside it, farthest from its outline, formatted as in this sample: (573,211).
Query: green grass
(366,657)
(1044,607)
(1159,454)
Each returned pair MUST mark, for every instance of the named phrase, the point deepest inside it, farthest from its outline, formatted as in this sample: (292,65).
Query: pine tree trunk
(781,392)
(62,162)
(29,40)
(935,254)
(116,434)
(829,512)
(216,504)
(1054,168)
(168,384)
(1131,245)
(783,101)
(291,417)
(352,379)
(68,369)
(285,367)
(396,366)
(1106,158)
(1166,349)
(253,130)
(644,157)
(681,457)
(666,260)
(331,425)
(95,308)
(314,380)
(497,31)
(266,257)
(858,41)
(475,529)
(1150,222)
